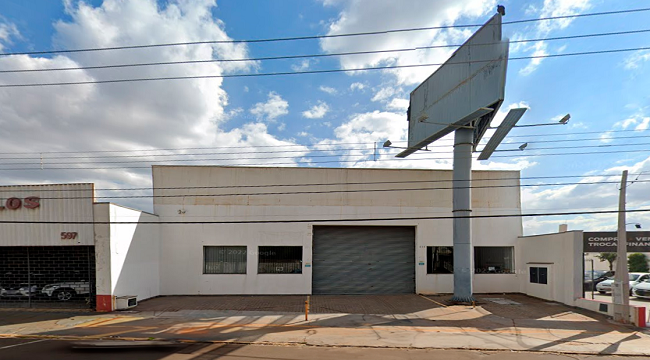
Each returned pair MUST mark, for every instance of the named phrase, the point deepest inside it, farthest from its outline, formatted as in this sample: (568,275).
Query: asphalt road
(13,349)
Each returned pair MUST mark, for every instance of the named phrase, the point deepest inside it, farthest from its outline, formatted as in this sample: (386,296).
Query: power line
(322,220)
(288,57)
(361,156)
(315,37)
(307,151)
(575,147)
(321,192)
(325,71)
(581,133)
(330,183)
(324,145)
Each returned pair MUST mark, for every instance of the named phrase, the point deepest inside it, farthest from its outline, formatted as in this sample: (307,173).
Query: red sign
(14,203)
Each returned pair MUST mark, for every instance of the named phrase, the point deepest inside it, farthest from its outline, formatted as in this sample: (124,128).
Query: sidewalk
(528,324)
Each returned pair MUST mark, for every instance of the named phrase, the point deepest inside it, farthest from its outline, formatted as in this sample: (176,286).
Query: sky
(111,133)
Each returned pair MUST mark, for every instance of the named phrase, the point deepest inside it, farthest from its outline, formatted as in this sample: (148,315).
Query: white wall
(561,253)
(58,203)
(182,245)
(132,250)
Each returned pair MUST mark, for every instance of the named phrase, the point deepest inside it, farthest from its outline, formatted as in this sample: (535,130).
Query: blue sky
(295,115)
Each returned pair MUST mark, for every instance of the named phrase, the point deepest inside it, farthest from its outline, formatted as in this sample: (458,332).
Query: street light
(636,225)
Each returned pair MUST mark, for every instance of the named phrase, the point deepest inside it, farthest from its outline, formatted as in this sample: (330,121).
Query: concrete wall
(57,203)
(182,245)
(561,253)
(128,255)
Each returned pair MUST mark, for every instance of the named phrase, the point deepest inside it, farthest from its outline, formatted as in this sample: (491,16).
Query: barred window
(224,259)
(539,275)
(280,260)
(440,260)
(494,260)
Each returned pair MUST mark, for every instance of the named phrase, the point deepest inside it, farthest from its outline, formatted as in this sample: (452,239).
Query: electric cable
(305,56)
(316,37)
(323,220)
(325,71)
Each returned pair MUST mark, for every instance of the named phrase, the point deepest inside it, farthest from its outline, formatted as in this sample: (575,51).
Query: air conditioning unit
(126,302)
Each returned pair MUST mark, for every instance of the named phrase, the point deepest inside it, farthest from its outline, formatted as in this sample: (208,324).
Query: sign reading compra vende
(606,241)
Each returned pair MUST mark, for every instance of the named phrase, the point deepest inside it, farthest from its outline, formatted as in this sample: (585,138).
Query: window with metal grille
(440,260)
(539,275)
(280,260)
(494,259)
(224,259)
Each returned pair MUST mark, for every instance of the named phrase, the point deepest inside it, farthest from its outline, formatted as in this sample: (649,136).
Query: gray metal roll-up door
(363,260)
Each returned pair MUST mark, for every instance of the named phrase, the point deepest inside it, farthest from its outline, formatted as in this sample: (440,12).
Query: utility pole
(621,286)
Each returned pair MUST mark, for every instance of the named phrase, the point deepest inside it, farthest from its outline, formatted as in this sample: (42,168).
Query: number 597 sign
(68,235)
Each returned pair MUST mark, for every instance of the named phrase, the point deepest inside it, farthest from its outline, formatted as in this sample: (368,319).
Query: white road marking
(193,355)
(21,344)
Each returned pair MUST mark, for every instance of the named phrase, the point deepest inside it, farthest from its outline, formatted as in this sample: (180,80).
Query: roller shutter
(363,260)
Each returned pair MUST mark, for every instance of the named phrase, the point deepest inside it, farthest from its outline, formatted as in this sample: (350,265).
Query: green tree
(609,257)
(637,262)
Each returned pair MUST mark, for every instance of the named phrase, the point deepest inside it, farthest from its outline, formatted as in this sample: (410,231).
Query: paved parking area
(319,304)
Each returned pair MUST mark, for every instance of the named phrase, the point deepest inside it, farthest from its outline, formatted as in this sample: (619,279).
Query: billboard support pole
(462,209)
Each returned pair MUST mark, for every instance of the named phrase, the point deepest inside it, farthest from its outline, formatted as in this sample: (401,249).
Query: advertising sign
(606,241)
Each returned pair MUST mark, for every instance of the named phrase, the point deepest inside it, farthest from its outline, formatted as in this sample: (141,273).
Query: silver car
(605,287)
(642,290)
(67,290)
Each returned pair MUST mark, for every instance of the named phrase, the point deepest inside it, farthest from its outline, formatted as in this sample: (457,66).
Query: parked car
(642,290)
(19,290)
(599,276)
(66,290)
(635,278)
(9,290)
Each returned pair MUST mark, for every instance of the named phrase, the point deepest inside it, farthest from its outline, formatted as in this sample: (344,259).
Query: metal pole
(621,286)
(29,281)
(462,209)
(592,279)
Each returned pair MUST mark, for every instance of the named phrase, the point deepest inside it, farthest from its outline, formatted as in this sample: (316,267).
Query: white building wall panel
(182,244)
(57,204)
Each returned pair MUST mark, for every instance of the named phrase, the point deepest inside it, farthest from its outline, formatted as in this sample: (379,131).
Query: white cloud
(357,16)
(142,115)
(634,61)
(316,111)
(398,104)
(588,197)
(643,125)
(357,86)
(384,93)
(539,50)
(273,108)
(8,30)
(329,90)
(302,66)
(550,8)
(373,128)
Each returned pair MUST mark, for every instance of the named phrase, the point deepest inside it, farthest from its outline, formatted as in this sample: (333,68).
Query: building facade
(255,230)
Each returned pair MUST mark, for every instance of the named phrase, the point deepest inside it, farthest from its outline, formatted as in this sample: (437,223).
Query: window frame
(261,249)
(540,272)
(509,271)
(226,247)
(429,254)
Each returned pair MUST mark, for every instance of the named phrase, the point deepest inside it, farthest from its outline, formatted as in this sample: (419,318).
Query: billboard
(606,241)
(469,86)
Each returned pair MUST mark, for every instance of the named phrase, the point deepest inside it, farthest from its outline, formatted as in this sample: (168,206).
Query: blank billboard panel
(473,78)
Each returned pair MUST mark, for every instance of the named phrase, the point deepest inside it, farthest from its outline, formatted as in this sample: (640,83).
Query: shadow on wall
(135,254)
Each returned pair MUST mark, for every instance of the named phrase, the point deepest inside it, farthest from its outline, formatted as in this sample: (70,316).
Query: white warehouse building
(266,230)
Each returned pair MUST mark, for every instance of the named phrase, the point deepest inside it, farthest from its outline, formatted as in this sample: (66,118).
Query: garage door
(363,260)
